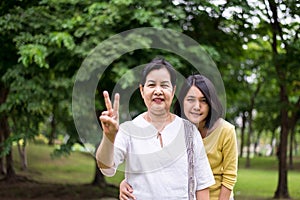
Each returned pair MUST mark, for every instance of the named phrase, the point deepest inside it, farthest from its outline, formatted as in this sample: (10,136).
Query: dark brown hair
(158,63)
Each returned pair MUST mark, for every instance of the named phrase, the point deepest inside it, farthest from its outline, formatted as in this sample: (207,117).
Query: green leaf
(33,53)
(62,38)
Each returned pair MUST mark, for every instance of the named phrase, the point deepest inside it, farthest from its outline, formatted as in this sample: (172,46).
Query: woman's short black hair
(158,63)
(207,88)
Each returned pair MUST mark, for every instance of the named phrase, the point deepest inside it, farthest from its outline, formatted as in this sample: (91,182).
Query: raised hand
(110,118)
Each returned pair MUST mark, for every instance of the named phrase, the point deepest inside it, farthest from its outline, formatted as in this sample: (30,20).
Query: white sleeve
(203,173)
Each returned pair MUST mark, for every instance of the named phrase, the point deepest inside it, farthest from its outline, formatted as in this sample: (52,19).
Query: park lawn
(77,168)
(259,182)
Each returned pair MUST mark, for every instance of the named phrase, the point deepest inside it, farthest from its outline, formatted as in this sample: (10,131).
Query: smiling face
(196,108)
(158,91)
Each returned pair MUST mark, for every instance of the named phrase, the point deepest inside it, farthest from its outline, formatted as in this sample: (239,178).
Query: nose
(197,106)
(157,90)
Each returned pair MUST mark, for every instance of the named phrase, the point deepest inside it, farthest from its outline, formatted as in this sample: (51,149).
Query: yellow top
(221,149)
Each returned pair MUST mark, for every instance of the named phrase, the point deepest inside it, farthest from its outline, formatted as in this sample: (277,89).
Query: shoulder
(222,124)
(126,124)
(222,127)
(227,129)
(227,124)
(138,121)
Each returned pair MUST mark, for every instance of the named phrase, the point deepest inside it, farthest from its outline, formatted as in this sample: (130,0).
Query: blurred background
(254,44)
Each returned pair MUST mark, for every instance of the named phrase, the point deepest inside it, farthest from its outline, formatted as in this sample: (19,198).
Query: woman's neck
(203,130)
(161,117)
(158,121)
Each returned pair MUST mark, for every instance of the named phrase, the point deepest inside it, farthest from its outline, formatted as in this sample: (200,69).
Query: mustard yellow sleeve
(230,155)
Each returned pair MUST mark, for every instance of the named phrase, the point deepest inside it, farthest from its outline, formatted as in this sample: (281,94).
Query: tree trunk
(282,187)
(293,122)
(256,144)
(244,118)
(5,133)
(250,120)
(52,130)
(273,143)
(23,155)
(292,138)
(296,147)
(247,165)
(2,167)
(10,172)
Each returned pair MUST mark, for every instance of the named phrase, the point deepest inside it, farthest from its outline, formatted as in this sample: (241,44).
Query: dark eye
(203,101)
(191,100)
(151,85)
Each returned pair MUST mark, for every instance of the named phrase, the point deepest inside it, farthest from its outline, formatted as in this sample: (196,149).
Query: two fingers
(110,116)
(108,103)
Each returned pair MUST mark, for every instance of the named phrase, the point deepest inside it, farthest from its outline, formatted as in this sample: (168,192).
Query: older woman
(153,144)
(199,103)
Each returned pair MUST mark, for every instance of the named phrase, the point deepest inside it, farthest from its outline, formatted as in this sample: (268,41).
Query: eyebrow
(165,82)
(190,96)
(152,81)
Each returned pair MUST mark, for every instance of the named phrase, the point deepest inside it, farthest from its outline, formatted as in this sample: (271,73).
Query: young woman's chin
(194,120)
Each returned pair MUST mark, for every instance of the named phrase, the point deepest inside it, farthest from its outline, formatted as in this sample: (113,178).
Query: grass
(77,168)
(49,178)
(259,182)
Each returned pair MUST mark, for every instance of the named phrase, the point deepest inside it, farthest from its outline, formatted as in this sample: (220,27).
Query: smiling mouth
(198,114)
(158,100)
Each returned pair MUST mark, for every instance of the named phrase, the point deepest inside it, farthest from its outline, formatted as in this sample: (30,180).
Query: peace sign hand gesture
(110,118)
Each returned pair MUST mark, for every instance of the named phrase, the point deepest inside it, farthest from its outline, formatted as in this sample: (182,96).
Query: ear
(142,90)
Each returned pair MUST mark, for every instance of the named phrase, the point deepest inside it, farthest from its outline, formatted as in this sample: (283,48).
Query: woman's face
(158,91)
(195,106)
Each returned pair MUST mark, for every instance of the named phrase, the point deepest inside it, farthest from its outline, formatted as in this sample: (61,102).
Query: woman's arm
(110,125)
(225,193)
(126,191)
(202,194)
(230,159)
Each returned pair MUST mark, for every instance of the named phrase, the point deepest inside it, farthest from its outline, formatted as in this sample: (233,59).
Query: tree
(273,27)
(25,72)
(282,75)
(45,43)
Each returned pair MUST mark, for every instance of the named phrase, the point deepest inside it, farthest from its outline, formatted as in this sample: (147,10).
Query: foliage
(45,42)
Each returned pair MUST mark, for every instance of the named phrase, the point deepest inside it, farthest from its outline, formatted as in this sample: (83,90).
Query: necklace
(159,130)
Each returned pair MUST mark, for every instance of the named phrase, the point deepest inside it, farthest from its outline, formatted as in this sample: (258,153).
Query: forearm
(202,194)
(224,193)
(105,153)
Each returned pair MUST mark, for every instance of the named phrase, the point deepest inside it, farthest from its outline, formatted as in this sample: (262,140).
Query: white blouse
(156,172)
